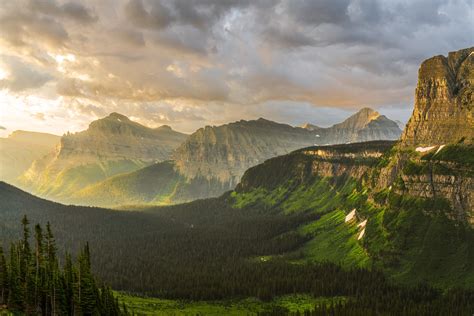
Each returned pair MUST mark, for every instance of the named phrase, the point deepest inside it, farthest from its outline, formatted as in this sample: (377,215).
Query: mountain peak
(360,119)
(369,113)
(310,127)
(117,116)
(164,128)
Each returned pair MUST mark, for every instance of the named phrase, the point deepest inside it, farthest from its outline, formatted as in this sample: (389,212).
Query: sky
(188,63)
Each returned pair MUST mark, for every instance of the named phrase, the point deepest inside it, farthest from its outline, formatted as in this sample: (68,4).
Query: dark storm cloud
(158,16)
(71,10)
(207,61)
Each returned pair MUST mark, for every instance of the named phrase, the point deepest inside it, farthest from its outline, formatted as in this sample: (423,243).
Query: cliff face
(225,152)
(444,101)
(109,146)
(345,161)
(117,137)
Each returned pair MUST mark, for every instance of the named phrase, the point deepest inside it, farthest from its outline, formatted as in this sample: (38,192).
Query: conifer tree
(3,278)
(32,282)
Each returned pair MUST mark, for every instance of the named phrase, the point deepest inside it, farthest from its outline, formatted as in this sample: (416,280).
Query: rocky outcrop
(443,114)
(455,188)
(355,161)
(444,101)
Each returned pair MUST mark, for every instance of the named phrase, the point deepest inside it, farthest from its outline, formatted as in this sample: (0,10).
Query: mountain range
(110,146)
(401,210)
(212,160)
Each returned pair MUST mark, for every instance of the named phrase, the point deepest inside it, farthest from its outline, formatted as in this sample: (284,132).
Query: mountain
(405,208)
(311,127)
(444,101)
(225,152)
(20,149)
(365,125)
(110,146)
(358,220)
(213,159)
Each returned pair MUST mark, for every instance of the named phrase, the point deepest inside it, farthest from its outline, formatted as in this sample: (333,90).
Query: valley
(241,217)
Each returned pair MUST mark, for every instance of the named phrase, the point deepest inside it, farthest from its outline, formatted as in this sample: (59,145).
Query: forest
(207,250)
(33,282)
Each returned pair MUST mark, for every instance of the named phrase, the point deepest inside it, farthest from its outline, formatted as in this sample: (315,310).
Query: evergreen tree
(3,278)
(33,283)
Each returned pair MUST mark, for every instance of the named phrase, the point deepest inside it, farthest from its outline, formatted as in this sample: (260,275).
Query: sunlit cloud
(187,63)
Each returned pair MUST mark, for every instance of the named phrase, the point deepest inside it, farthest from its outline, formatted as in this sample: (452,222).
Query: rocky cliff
(435,153)
(110,146)
(225,152)
(444,101)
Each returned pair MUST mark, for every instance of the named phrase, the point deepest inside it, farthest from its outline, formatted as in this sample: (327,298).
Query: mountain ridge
(212,160)
(111,145)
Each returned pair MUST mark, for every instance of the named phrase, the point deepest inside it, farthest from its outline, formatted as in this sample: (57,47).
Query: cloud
(22,76)
(191,62)
(158,16)
(39,116)
(2,128)
(69,10)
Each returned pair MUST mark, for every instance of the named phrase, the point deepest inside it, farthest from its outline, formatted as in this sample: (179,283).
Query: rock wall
(444,101)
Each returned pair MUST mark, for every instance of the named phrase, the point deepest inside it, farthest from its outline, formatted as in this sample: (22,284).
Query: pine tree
(15,297)
(3,278)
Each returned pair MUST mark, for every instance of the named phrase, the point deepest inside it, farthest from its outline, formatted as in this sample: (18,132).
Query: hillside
(20,149)
(212,160)
(252,255)
(157,184)
(405,208)
(110,146)
(400,230)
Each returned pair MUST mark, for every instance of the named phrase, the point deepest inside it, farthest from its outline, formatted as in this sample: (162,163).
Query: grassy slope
(409,238)
(156,306)
(69,180)
(158,184)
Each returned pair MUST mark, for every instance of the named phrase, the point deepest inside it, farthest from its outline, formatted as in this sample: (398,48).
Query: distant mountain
(110,146)
(311,127)
(20,149)
(365,125)
(213,159)
(225,152)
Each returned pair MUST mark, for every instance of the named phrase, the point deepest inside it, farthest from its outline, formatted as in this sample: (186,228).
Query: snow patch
(440,147)
(424,149)
(362,233)
(350,216)
(362,224)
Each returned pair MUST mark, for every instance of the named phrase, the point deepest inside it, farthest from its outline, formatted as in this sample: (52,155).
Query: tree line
(33,282)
